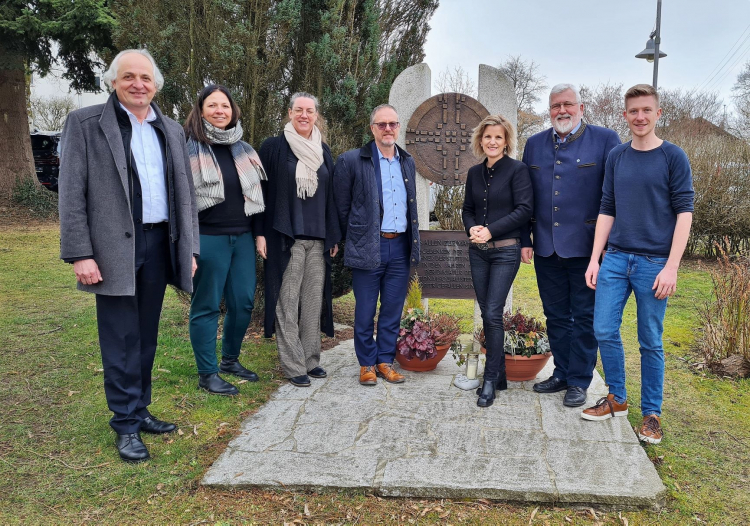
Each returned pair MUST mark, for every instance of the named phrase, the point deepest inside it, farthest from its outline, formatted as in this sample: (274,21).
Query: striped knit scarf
(207,178)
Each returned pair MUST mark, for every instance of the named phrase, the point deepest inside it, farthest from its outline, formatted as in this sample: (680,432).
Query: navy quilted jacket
(360,207)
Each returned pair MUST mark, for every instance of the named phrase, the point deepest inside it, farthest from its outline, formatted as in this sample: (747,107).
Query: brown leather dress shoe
(386,372)
(367,375)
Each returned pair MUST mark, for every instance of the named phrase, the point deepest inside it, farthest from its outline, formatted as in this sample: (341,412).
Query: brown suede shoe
(650,430)
(605,408)
(367,375)
(386,372)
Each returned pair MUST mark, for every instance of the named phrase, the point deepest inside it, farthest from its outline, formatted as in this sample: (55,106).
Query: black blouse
(227,217)
(309,214)
(499,198)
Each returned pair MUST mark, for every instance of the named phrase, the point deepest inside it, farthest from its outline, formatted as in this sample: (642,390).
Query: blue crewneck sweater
(644,191)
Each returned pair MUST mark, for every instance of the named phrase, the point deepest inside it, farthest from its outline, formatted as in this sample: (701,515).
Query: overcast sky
(595,41)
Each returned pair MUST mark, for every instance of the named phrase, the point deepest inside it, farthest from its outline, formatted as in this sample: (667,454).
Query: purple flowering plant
(420,333)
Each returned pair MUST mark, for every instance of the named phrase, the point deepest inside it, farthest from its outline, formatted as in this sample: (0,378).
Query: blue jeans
(493,272)
(390,282)
(620,274)
(569,308)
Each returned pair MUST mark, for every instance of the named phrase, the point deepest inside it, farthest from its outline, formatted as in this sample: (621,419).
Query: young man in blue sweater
(645,217)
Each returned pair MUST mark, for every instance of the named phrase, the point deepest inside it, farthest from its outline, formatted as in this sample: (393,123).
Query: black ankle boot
(500,385)
(487,396)
(215,384)
(234,367)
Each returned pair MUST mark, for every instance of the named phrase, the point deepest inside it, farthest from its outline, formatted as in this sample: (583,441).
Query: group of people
(145,202)
(601,220)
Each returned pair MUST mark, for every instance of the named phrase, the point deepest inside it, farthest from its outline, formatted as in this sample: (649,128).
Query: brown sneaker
(605,408)
(367,375)
(650,430)
(386,371)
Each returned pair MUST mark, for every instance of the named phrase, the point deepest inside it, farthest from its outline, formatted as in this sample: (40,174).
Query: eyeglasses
(566,105)
(300,111)
(382,126)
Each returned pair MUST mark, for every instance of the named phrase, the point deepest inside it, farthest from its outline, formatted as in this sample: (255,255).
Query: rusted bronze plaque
(439,137)
(443,269)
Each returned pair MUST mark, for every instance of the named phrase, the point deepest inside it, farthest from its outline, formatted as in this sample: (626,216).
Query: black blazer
(500,198)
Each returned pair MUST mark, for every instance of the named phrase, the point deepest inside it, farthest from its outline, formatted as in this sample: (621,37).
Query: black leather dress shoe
(215,384)
(235,367)
(575,396)
(300,381)
(317,372)
(155,426)
(550,385)
(487,396)
(131,448)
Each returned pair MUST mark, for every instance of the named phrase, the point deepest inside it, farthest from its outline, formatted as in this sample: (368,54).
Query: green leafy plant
(413,295)
(524,335)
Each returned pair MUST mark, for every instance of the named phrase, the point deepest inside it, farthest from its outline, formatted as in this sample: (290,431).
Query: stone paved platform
(426,438)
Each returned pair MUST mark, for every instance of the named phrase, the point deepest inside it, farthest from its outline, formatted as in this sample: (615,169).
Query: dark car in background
(46,148)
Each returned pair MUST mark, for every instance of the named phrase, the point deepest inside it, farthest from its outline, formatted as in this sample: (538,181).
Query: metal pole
(657,41)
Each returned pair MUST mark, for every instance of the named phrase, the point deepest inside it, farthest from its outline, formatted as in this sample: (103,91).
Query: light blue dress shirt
(394,194)
(150,165)
(557,137)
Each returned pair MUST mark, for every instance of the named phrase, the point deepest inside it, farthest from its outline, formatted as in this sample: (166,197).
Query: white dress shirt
(150,165)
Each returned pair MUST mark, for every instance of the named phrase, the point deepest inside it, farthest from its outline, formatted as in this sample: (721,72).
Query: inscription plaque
(443,268)
(439,137)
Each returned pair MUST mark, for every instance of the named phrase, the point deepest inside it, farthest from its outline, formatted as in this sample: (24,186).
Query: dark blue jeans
(493,272)
(569,307)
(390,282)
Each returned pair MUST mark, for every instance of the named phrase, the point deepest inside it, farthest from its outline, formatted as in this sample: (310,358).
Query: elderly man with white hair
(129,226)
(566,165)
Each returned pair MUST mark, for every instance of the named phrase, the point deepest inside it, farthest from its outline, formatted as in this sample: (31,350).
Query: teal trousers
(226,267)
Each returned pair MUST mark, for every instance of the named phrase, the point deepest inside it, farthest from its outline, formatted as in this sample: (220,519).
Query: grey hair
(303,95)
(111,73)
(559,88)
(377,109)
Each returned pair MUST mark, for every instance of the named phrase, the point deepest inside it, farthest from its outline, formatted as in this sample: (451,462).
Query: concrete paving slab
(427,438)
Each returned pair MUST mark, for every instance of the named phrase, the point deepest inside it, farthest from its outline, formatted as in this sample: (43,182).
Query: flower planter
(417,365)
(523,368)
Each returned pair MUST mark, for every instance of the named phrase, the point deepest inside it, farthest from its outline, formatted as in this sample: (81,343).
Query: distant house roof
(698,126)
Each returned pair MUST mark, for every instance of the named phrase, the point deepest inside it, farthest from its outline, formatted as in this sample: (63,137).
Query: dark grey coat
(95,208)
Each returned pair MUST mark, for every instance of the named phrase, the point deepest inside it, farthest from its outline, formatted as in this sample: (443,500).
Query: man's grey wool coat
(95,209)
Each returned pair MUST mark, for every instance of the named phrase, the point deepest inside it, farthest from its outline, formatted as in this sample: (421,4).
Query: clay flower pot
(417,365)
(522,368)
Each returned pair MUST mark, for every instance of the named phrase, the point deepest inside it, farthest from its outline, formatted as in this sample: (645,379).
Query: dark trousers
(226,268)
(390,282)
(128,328)
(569,307)
(492,273)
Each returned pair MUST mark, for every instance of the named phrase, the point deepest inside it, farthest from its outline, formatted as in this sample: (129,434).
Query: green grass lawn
(58,463)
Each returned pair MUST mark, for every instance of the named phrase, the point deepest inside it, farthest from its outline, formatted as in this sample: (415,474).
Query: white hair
(559,88)
(111,73)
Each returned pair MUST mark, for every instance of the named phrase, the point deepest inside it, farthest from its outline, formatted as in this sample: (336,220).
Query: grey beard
(562,126)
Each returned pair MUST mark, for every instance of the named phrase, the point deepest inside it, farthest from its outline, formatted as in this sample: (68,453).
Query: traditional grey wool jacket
(95,189)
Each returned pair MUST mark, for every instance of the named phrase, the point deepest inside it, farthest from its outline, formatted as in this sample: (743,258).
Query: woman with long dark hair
(299,237)
(498,203)
(227,175)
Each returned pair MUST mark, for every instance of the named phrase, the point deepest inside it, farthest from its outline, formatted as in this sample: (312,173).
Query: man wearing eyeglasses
(375,193)
(566,164)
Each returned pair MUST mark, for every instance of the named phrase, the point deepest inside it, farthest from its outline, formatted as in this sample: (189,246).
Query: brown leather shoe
(605,408)
(367,375)
(650,430)
(386,372)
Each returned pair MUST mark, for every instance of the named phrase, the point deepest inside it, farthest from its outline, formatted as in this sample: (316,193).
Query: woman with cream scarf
(298,238)
(227,175)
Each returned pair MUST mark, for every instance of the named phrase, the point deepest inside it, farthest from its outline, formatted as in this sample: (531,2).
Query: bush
(28,194)
(726,318)
(721,179)
(449,203)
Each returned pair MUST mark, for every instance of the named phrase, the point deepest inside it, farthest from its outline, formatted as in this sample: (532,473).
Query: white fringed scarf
(309,154)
